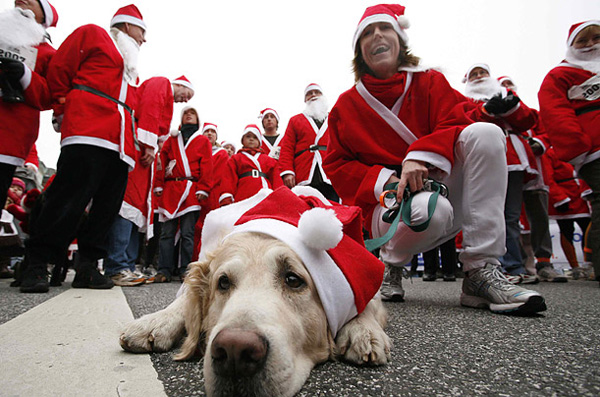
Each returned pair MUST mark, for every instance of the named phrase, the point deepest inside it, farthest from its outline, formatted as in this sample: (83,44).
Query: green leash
(393,216)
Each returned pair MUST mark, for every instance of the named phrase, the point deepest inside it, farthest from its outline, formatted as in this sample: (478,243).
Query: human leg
(187,223)
(512,261)
(590,173)
(7,172)
(536,207)
(431,264)
(449,262)
(166,249)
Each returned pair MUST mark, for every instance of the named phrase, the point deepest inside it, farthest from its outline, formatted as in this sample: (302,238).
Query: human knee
(487,138)
(443,215)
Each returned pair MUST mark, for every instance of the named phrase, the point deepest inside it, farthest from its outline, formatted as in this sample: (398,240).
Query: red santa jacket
(519,156)
(570,108)
(565,187)
(154,113)
(273,150)
(248,171)
(187,170)
(367,140)
(296,156)
(89,57)
(21,121)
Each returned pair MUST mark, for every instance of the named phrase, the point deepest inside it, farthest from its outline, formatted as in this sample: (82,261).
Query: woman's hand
(414,173)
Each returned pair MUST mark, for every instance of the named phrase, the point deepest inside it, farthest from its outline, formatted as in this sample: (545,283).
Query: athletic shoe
(449,277)
(513,278)
(547,273)
(529,278)
(488,288)
(429,277)
(162,278)
(579,273)
(391,288)
(148,278)
(34,277)
(127,278)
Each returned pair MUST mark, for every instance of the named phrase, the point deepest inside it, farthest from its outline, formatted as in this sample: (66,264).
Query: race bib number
(587,91)
(275,153)
(27,55)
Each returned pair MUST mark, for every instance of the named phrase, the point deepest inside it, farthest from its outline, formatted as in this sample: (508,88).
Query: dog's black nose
(238,353)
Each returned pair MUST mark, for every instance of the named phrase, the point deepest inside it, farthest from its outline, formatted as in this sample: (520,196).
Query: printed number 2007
(590,91)
(11,55)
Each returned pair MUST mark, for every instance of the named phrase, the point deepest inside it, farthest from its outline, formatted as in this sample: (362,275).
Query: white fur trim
(379,18)
(320,229)
(183,83)
(174,133)
(403,21)
(127,19)
(578,29)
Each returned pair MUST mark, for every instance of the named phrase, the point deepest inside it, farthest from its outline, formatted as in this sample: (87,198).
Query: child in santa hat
(249,170)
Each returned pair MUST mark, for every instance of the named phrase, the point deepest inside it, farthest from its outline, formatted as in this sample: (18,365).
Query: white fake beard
(18,28)
(130,50)
(317,108)
(483,89)
(588,59)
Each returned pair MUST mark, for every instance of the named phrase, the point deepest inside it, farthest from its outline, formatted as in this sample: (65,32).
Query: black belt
(254,174)
(182,178)
(566,180)
(312,148)
(106,96)
(581,111)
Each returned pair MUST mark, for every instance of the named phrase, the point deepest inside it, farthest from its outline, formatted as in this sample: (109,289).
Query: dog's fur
(253,294)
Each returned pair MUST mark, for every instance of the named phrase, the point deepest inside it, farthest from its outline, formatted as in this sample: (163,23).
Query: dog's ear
(197,284)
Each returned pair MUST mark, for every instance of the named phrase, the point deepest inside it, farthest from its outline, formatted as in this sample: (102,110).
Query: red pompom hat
(266,111)
(128,14)
(578,27)
(182,80)
(50,14)
(390,13)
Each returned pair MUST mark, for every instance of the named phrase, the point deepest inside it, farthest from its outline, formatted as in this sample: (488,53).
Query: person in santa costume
(92,78)
(271,139)
(568,205)
(249,170)
(23,88)
(535,197)
(392,131)
(154,113)
(305,143)
(220,158)
(489,101)
(229,147)
(184,186)
(570,108)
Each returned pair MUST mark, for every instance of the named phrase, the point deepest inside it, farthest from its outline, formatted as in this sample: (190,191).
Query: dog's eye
(293,280)
(224,282)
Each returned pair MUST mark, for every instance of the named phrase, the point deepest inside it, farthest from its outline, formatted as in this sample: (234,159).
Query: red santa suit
(565,187)
(187,170)
(248,171)
(273,150)
(154,114)
(90,118)
(302,149)
(378,124)
(21,121)
(569,102)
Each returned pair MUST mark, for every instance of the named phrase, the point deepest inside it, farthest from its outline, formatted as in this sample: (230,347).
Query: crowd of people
(424,162)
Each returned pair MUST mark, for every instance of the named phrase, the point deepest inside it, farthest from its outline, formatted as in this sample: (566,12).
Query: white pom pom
(320,229)
(174,133)
(403,21)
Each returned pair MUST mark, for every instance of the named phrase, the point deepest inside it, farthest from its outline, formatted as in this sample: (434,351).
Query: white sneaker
(488,288)
(391,288)
(126,278)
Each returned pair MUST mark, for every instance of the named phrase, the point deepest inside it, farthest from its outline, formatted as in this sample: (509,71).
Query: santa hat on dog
(390,13)
(129,14)
(326,236)
(50,14)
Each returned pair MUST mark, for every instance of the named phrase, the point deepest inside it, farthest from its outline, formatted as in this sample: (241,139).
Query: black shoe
(429,277)
(449,277)
(34,278)
(88,276)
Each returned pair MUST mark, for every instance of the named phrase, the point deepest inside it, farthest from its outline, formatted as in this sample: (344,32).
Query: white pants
(475,204)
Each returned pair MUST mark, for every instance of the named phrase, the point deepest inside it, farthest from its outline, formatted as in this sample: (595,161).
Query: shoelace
(496,278)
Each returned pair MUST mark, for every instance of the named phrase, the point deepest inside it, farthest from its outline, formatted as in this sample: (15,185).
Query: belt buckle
(313,148)
(255,174)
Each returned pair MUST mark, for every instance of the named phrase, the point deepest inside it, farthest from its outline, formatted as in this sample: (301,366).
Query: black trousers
(7,171)
(84,174)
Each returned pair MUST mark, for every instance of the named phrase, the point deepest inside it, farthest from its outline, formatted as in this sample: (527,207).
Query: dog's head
(263,323)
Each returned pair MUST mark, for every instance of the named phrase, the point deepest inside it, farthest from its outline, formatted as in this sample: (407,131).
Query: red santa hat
(253,128)
(325,235)
(311,87)
(174,133)
(210,126)
(182,80)
(18,182)
(483,66)
(390,13)
(50,14)
(578,27)
(228,143)
(266,111)
(128,14)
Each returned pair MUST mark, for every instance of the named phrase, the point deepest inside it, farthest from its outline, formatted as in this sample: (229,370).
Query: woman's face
(211,135)
(230,149)
(587,37)
(189,117)
(380,48)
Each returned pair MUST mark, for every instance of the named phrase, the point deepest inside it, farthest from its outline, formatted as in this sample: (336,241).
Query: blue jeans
(512,261)
(123,245)
(166,244)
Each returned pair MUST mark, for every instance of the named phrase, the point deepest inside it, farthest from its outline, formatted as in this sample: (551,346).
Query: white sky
(243,56)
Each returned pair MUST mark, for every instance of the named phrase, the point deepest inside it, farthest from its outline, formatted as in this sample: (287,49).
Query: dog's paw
(155,332)
(363,341)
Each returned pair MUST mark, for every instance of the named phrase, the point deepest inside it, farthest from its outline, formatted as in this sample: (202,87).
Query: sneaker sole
(35,289)
(393,298)
(555,280)
(533,305)
(128,283)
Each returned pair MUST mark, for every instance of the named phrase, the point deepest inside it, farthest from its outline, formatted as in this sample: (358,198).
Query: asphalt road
(440,348)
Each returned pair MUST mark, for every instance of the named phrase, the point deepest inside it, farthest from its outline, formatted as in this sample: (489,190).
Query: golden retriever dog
(253,307)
